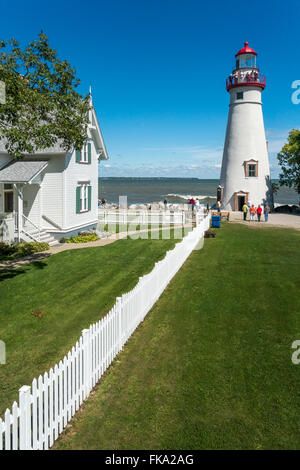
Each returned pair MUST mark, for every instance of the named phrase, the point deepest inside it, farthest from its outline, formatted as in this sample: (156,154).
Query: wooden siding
(52,192)
(76,173)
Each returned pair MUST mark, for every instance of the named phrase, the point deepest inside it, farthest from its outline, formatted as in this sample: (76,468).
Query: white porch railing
(7,228)
(30,229)
(45,408)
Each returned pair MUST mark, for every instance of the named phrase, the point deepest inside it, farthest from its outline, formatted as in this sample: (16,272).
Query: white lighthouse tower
(245,173)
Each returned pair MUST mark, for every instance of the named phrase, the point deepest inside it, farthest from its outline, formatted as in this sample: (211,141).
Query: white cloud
(276,139)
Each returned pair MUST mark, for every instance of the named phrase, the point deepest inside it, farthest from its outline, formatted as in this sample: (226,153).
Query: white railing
(34,233)
(141,217)
(45,408)
(7,228)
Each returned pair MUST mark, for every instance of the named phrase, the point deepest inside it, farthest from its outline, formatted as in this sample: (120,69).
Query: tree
(289,160)
(42,105)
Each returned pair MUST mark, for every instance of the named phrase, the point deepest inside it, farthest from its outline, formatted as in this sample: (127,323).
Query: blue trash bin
(216,221)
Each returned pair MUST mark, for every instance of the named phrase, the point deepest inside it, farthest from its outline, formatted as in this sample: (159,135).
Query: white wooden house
(52,194)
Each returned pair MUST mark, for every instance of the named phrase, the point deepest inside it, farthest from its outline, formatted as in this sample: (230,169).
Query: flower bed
(83,238)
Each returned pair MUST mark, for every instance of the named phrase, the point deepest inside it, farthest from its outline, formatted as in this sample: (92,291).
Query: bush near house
(10,252)
(83,238)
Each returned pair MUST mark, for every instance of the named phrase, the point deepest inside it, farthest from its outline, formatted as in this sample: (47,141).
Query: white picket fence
(47,406)
(163,217)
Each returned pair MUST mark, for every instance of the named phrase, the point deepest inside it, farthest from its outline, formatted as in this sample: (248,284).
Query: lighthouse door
(241,202)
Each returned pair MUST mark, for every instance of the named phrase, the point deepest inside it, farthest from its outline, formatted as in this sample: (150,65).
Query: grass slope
(73,289)
(210,367)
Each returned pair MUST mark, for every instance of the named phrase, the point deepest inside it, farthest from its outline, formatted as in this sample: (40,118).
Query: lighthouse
(245,172)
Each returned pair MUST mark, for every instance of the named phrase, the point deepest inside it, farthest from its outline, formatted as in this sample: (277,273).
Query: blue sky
(158,69)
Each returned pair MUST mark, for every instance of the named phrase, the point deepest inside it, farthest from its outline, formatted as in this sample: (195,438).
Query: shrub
(28,248)
(6,250)
(21,249)
(210,233)
(83,237)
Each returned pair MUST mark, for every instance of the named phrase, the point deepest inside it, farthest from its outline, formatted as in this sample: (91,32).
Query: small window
(240,95)
(83,198)
(85,154)
(251,169)
(8,186)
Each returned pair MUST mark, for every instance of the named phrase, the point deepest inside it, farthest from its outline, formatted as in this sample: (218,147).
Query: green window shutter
(89,152)
(78,205)
(89,197)
(78,156)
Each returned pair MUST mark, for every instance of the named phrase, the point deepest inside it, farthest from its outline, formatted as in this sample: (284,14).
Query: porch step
(35,235)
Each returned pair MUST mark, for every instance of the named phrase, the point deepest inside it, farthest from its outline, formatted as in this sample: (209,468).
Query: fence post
(119,310)
(86,361)
(25,417)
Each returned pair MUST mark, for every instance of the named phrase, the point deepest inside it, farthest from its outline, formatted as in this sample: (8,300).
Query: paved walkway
(275,220)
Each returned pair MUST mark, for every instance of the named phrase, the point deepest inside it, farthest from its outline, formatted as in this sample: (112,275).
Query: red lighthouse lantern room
(246,72)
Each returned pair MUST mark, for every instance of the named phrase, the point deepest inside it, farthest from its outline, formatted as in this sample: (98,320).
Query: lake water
(176,190)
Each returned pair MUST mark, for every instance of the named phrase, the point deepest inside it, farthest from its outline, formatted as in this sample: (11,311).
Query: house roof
(20,171)
(57,148)
(95,134)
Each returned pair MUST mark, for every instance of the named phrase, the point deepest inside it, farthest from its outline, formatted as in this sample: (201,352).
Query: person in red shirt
(192,202)
(259,212)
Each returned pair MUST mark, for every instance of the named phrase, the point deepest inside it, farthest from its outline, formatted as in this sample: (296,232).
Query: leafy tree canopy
(289,160)
(42,105)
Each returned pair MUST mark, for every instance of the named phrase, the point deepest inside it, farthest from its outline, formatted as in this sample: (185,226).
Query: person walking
(245,211)
(192,202)
(197,204)
(166,203)
(267,210)
(259,212)
(252,211)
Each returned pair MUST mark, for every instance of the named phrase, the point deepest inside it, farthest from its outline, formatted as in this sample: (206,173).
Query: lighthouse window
(240,95)
(251,170)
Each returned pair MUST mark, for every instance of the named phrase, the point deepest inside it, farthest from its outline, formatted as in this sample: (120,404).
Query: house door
(241,202)
(8,201)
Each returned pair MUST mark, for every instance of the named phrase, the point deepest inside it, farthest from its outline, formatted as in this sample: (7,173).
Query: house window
(240,95)
(83,197)
(85,154)
(251,169)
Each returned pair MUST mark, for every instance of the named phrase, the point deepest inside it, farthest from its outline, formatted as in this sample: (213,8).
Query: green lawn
(210,367)
(73,289)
